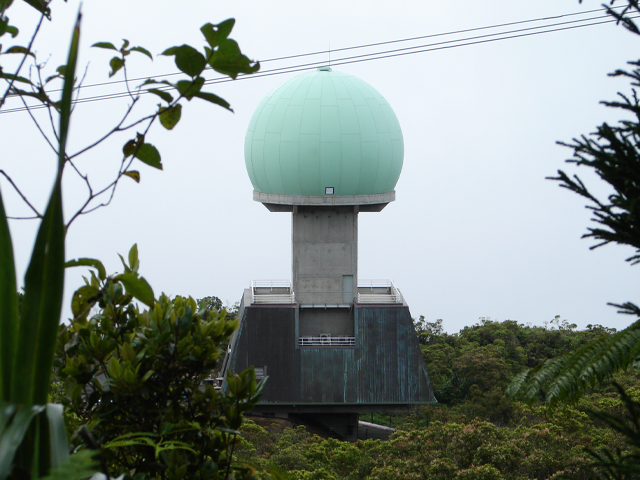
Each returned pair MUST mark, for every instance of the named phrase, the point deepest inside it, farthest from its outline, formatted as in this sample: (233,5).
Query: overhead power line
(455,32)
(379,55)
(369,45)
(388,42)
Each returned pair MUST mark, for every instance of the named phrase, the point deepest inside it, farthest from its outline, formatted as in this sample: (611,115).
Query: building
(326,146)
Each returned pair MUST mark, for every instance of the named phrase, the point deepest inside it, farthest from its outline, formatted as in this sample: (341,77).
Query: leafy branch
(220,53)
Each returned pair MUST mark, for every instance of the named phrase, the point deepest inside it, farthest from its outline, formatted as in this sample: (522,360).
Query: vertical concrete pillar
(325,254)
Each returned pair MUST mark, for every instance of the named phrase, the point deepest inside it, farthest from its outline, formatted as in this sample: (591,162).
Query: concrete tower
(326,146)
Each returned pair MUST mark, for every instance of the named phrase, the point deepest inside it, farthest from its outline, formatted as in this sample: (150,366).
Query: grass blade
(11,436)
(41,309)
(9,310)
(67,94)
(45,276)
(57,435)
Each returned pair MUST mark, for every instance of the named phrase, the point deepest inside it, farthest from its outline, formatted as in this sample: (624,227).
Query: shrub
(136,379)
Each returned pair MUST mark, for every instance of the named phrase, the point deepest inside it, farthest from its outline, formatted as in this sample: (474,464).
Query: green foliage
(137,379)
(29,336)
(210,303)
(613,154)
(550,446)
(219,53)
(33,441)
(619,464)
(14,423)
(478,433)
(80,466)
(567,377)
(470,370)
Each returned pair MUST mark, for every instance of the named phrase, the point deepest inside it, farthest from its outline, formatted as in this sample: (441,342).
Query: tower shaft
(325,254)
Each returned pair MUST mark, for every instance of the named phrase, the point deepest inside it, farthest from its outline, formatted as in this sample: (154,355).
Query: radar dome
(324,132)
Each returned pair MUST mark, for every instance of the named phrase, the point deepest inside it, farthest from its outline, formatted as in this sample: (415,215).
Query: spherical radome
(324,129)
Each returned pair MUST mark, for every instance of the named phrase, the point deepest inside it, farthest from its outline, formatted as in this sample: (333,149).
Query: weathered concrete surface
(336,322)
(380,199)
(325,254)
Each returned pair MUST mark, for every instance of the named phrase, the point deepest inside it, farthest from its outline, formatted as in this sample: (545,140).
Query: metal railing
(378,291)
(327,341)
(272,291)
(281,292)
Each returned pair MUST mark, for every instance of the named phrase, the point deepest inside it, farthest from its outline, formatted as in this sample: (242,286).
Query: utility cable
(480,39)
(354,47)
(410,39)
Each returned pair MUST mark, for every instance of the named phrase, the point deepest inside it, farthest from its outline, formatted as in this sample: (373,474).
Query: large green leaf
(138,287)
(213,98)
(166,96)
(229,60)
(67,94)
(42,304)
(107,45)
(142,50)
(83,299)
(15,78)
(14,423)
(41,6)
(149,154)
(188,59)
(116,63)
(169,117)
(9,310)
(19,50)
(189,89)
(89,262)
(217,33)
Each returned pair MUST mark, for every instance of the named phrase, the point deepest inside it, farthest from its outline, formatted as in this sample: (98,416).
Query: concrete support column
(325,254)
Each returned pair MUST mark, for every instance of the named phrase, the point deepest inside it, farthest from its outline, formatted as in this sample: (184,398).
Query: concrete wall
(337,322)
(325,254)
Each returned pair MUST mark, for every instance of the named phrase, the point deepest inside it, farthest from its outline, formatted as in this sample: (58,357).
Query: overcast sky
(475,231)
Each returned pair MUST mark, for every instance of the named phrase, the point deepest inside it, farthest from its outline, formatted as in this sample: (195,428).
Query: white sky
(476,230)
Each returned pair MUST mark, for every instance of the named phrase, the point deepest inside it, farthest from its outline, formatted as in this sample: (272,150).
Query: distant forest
(475,431)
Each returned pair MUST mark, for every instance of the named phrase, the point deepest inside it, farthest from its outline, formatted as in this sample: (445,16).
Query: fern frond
(542,375)
(569,383)
(566,378)
(517,383)
(79,466)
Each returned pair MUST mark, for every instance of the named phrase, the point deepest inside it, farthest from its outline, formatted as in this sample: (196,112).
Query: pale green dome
(324,129)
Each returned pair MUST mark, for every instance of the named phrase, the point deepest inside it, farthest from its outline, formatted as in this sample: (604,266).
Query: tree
(137,381)
(613,153)
(28,337)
